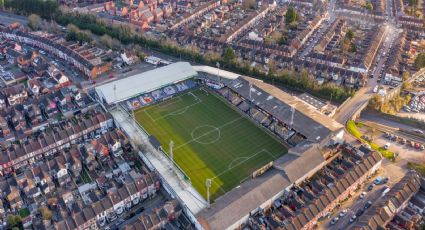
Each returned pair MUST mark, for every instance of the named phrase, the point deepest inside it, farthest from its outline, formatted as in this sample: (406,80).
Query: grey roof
(316,103)
(307,120)
(129,87)
(300,160)
(240,201)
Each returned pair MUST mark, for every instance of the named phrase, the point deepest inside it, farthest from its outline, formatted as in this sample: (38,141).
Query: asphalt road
(8,18)
(356,203)
(389,123)
(363,95)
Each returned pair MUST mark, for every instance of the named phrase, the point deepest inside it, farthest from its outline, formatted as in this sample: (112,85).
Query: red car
(417,145)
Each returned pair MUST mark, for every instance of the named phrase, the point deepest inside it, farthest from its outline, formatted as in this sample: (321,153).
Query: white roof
(129,87)
(216,71)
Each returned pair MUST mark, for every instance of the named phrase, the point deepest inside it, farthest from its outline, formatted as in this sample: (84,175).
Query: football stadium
(211,139)
(238,142)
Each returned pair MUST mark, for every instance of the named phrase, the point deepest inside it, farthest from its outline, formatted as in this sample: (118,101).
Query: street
(149,206)
(355,203)
(7,18)
(363,95)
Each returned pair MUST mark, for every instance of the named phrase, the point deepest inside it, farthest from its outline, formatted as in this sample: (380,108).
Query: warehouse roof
(126,88)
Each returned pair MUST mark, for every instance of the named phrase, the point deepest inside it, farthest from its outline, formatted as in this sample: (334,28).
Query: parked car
(362,195)
(343,213)
(367,205)
(334,220)
(387,145)
(353,218)
(370,187)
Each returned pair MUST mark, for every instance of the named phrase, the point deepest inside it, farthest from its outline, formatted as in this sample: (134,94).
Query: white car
(363,195)
(343,213)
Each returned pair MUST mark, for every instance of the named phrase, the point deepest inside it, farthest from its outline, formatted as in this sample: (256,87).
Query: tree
(13,220)
(369,6)
(229,55)
(420,61)
(34,22)
(349,35)
(46,213)
(283,40)
(106,40)
(248,4)
(291,15)
(353,48)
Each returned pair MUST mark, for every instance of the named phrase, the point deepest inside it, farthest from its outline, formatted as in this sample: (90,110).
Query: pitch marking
(213,128)
(219,127)
(236,165)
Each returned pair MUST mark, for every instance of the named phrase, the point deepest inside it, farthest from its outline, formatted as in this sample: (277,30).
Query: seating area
(159,94)
(281,130)
(303,205)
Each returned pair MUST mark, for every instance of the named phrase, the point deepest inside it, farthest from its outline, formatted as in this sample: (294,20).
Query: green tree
(353,48)
(369,6)
(46,213)
(283,40)
(106,40)
(420,61)
(13,220)
(45,8)
(349,35)
(229,55)
(291,15)
(34,22)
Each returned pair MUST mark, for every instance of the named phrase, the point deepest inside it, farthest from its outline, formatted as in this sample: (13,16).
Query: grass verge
(352,129)
(418,167)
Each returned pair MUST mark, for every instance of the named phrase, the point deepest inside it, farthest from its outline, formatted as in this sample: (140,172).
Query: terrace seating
(235,99)
(295,139)
(244,106)
(169,90)
(145,99)
(223,92)
(281,131)
(158,94)
(181,86)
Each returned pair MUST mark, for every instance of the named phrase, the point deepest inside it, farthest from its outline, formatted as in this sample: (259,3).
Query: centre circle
(206,134)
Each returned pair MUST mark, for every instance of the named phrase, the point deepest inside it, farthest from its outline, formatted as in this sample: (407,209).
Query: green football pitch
(211,139)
